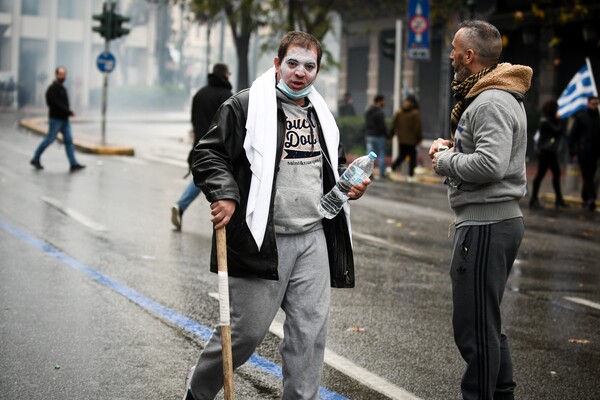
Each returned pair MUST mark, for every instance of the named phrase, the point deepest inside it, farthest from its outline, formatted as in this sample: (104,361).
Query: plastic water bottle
(358,171)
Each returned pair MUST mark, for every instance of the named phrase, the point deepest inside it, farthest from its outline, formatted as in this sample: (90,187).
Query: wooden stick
(224,313)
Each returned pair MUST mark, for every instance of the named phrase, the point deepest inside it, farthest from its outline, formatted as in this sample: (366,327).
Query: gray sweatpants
(481,262)
(303,292)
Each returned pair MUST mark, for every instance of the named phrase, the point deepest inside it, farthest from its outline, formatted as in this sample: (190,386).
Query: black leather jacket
(222,171)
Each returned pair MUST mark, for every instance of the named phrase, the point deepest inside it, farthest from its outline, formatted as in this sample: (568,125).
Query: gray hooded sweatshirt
(487,161)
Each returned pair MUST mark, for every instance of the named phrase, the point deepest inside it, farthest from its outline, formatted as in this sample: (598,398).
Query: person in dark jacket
(486,178)
(205,104)
(269,156)
(584,143)
(58,121)
(376,131)
(407,125)
(546,148)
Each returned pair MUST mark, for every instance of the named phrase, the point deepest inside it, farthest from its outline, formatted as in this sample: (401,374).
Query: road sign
(106,62)
(418,30)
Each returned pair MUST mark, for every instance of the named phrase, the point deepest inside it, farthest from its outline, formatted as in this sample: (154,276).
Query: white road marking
(165,160)
(583,302)
(351,370)
(386,244)
(82,219)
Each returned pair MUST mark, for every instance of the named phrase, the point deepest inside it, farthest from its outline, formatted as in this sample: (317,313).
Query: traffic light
(388,47)
(110,23)
(104,18)
(387,39)
(117,30)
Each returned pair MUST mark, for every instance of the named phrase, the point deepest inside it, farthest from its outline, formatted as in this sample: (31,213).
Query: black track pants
(481,262)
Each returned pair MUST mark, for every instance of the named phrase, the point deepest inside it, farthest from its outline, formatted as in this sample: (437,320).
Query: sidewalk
(92,144)
(570,184)
(83,143)
(570,180)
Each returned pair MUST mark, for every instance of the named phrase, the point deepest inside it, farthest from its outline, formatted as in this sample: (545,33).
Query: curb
(39,126)
(429,178)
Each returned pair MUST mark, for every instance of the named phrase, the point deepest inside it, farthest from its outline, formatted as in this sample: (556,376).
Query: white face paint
(299,68)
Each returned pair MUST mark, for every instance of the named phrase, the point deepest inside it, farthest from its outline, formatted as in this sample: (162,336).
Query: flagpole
(589,65)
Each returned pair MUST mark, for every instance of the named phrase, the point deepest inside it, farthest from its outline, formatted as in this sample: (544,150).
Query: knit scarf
(461,90)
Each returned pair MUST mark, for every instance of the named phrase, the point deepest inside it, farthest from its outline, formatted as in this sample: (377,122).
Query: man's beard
(460,70)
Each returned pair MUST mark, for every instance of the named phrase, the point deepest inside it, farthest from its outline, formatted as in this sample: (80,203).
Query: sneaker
(76,167)
(36,164)
(388,171)
(410,179)
(188,392)
(176,214)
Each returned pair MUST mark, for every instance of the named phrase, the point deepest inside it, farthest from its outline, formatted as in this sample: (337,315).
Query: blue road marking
(154,307)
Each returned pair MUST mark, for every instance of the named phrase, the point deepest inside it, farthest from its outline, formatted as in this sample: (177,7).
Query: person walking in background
(376,132)
(345,106)
(584,143)
(268,158)
(59,112)
(407,125)
(485,170)
(205,104)
(546,147)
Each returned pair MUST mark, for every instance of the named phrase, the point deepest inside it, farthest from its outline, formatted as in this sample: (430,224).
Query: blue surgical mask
(281,85)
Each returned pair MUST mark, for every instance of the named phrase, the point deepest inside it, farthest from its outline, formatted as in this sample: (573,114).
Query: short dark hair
(60,67)
(301,39)
(378,97)
(413,100)
(484,38)
(220,70)
(550,108)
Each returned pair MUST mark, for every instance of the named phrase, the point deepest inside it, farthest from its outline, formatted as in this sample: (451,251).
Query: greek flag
(574,97)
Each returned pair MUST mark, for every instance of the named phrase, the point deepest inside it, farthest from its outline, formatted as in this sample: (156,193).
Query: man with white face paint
(269,156)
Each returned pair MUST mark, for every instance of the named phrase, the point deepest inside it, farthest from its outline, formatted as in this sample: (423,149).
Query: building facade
(164,46)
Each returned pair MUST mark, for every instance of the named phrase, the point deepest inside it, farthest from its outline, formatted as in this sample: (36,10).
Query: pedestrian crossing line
(583,302)
(351,370)
(77,216)
(155,308)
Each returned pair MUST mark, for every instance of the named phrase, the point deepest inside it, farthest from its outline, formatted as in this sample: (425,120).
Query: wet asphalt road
(91,274)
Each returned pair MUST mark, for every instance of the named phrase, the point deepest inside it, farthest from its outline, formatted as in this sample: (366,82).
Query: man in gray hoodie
(485,170)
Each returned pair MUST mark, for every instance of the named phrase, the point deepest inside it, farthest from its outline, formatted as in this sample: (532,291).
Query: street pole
(105,77)
(397,81)
(104,96)
(110,28)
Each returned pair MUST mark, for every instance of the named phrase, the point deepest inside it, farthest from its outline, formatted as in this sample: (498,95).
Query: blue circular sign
(106,62)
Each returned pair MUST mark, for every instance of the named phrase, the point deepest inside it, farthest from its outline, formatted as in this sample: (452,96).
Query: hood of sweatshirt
(508,77)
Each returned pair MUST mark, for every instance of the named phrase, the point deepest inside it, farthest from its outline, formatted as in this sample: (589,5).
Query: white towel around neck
(260,147)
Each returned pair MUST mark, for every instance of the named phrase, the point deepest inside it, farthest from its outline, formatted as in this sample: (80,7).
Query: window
(38,8)
(6,6)
(70,9)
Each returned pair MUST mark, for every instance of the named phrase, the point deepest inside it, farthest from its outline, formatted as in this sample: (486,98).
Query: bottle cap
(372,155)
